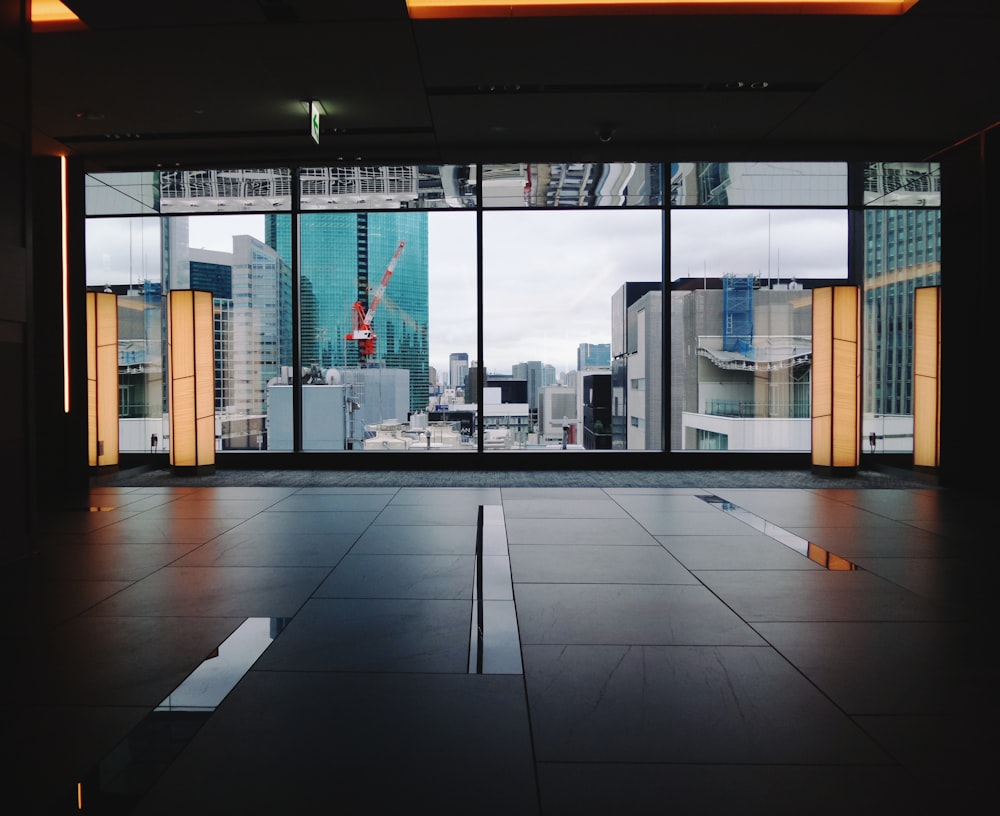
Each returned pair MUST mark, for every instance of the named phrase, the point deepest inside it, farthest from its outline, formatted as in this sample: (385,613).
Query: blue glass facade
(342,257)
(215,278)
(902,252)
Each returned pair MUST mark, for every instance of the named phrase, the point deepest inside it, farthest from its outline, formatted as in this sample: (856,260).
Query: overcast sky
(549,275)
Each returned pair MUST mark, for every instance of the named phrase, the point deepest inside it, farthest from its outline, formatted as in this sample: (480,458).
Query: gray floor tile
(668,522)
(239,549)
(598,564)
(319,521)
(313,502)
(654,491)
(111,562)
(340,490)
(293,742)
(885,668)
(447,495)
(63,599)
(752,551)
(276,592)
(190,507)
(439,514)
(931,510)
(800,508)
(401,576)
(422,539)
(599,789)
(81,522)
(648,688)
(240,492)
(553,493)
(576,531)
(639,503)
(374,635)
(898,540)
(694,704)
(816,595)
(622,613)
(143,529)
(594,508)
(945,581)
(131,660)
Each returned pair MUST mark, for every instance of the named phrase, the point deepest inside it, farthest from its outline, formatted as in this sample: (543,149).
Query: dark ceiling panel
(195,74)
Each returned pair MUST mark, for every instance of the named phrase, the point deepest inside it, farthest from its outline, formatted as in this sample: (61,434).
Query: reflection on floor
(509,650)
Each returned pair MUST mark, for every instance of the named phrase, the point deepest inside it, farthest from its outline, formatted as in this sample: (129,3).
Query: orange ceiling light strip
(51,15)
(439,9)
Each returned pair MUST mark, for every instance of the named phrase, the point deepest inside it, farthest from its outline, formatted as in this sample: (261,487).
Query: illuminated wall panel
(836,378)
(190,358)
(927,377)
(102,379)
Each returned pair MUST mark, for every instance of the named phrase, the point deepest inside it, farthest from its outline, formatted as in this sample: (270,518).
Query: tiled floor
(643,650)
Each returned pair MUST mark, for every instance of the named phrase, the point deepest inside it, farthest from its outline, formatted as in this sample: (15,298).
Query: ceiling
(222,82)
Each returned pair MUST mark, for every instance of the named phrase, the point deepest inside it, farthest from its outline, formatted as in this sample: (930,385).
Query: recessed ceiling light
(52,15)
(429,9)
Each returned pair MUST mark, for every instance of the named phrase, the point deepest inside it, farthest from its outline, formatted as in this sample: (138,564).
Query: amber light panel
(431,9)
(836,378)
(52,15)
(927,377)
(102,379)
(191,395)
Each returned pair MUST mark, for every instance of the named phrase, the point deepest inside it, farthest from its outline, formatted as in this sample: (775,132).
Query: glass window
(394,187)
(388,303)
(124,256)
(142,259)
(555,310)
(573,185)
(122,193)
(887,320)
(379,265)
(758,184)
(741,323)
(200,192)
(902,184)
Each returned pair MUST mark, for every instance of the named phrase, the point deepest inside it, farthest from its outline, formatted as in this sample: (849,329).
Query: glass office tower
(342,259)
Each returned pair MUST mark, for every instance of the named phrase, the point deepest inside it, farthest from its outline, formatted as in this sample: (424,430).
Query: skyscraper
(902,252)
(342,258)
(538,375)
(262,321)
(458,369)
(593,355)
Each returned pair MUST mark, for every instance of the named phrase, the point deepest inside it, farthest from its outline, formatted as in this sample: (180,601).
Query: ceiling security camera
(605,134)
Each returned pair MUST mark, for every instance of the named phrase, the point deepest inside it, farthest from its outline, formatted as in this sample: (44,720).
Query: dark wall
(43,451)
(969,313)
(16,499)
(60,437)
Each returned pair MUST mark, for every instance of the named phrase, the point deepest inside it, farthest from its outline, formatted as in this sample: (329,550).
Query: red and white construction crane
(362,319)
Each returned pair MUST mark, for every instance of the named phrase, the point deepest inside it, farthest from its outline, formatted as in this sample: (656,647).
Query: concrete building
(342,409)
(644,374)
(558,420)
(744,396)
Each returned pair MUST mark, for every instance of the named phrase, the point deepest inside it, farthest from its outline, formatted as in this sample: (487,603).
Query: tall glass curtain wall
(356,290)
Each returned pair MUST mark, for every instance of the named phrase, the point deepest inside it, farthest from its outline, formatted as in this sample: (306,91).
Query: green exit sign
(314,113)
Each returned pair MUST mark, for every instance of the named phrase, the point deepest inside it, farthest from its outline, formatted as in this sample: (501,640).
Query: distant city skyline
(549,274)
